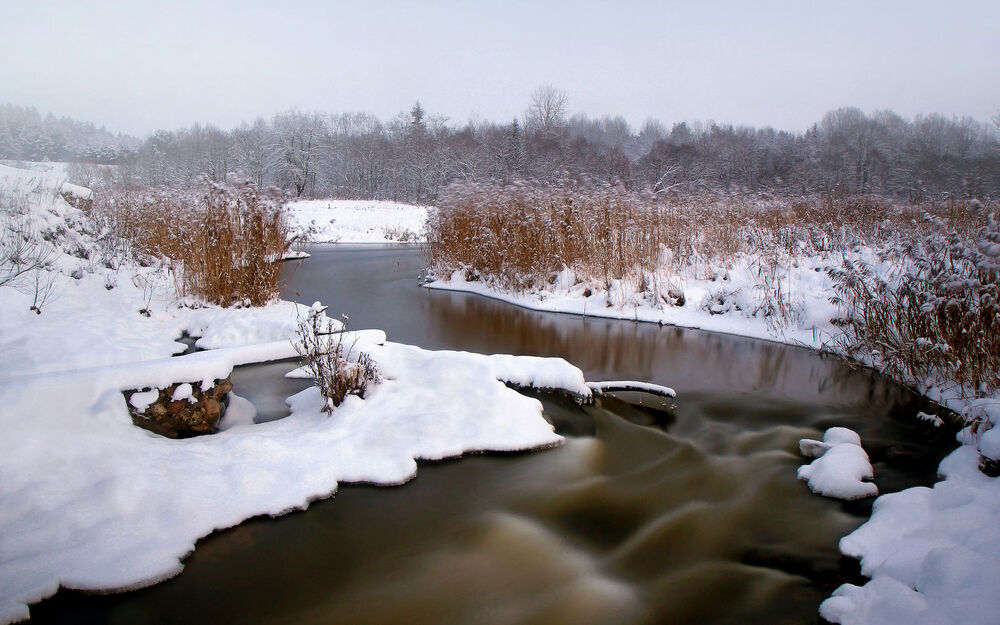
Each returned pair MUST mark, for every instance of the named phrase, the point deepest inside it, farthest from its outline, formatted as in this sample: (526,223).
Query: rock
(989,466)
(183,418)
(676,295)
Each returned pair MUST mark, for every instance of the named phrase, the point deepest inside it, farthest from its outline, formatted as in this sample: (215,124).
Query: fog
(136,67)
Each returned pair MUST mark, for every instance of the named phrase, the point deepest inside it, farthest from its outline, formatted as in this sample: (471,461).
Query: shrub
(337,369)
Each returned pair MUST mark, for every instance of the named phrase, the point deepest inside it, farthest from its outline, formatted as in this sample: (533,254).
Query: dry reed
(223,242)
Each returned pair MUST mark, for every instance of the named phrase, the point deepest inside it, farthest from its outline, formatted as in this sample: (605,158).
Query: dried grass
(223,241)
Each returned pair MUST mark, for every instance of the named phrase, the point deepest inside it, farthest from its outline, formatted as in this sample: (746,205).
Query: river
(654,511)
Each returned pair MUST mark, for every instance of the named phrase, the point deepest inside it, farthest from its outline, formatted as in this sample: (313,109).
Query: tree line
(415,155)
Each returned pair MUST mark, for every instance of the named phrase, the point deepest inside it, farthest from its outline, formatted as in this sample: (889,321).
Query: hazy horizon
(140,69)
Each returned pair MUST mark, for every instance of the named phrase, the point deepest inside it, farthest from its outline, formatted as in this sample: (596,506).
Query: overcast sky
(136,66)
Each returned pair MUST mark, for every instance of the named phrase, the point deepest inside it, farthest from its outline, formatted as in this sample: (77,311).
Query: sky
(135,66)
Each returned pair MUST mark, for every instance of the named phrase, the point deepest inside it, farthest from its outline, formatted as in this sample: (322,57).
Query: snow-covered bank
(89,501)
(726,306)
(933,554)
(357,221)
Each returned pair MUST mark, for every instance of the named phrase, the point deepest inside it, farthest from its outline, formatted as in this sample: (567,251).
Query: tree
(299,144)
(548,109)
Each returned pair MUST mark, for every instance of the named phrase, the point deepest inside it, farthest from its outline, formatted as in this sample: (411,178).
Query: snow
(841,467)
(357,221)
(568,293)
(89,501)
(239,413)
(987,412)
(141,401)
(933,554)
(50,176)
(183,391)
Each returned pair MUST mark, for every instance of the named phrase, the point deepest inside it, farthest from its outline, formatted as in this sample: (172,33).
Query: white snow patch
(182,392)
(240,412)
(140,401)
(631,385)
(624,300)
(841,468)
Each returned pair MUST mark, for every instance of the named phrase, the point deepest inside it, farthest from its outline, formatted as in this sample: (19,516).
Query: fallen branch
(600,388)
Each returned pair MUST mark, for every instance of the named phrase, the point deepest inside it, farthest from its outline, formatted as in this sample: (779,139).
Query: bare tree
(548,109)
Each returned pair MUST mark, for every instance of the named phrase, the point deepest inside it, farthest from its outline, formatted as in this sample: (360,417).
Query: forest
(417,154)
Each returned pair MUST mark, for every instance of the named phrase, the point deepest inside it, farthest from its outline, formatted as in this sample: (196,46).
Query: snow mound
(89,501)
(933,554)
(985,412)
(357,221)
(840,468)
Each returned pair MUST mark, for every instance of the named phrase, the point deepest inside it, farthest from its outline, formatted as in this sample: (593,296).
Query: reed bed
(223,242)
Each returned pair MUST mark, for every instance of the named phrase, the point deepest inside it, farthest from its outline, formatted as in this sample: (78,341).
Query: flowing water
(685,511)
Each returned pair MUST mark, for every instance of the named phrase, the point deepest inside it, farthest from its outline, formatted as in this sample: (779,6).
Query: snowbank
(717,305)
(89,501)
(933,554)
(841,468)
(47,176)
(357,221)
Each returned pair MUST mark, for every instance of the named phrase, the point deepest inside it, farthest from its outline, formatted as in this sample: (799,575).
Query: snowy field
(89,501)
(357,221)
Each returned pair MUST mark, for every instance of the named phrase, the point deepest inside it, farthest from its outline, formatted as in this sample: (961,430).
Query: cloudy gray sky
(136,66)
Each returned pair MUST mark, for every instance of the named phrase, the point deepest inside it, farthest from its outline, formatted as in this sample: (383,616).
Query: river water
(654,511)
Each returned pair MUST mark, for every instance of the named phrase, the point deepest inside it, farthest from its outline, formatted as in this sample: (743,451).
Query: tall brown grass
(936,320)
(223,242)
(521,233)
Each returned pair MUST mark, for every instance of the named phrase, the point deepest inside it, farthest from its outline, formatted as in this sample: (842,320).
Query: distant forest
(415,155)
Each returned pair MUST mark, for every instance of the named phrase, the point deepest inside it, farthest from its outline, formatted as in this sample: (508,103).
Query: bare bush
(23,251)
(337,369)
